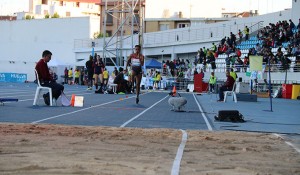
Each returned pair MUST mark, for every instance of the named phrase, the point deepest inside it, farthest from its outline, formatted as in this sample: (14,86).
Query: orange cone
(72,99)
(174,91)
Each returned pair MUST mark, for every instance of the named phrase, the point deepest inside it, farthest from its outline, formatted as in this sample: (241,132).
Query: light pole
(162,60)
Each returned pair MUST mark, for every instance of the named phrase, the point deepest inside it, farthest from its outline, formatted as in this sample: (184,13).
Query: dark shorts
(137,70)
(98,72)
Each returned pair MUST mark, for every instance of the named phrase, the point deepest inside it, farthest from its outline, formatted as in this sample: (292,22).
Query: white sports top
(135,62)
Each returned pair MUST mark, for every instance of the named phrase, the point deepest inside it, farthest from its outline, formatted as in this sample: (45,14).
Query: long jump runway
(153,111)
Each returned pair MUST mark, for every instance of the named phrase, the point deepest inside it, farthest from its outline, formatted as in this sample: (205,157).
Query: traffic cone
(174,91)
(72,99)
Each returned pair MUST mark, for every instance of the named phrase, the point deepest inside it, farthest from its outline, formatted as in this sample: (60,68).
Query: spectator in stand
(202,56)
(233,38)
(258,49)
(292,25)
(238,52)
(211,59)
(238,64)
(201,73)
(226,87)
(223,40)
(240,33)
(195,71)
(297,51)
(213,47)
(246,63)
(246,31)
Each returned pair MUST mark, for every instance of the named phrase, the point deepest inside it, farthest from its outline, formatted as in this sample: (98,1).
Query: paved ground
(152,112)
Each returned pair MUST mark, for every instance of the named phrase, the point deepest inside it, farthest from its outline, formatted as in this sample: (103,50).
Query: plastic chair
(39,89)
(232,92)
(113,87)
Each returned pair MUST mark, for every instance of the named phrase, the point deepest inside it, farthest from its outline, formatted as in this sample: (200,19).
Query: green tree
(28,17)
(47,16)
(98,35)
(55,15)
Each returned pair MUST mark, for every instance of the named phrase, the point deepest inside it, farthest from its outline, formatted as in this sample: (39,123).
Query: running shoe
(137,100)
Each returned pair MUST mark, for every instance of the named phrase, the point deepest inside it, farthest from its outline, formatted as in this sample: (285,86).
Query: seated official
(226,87)
(122,84)
(46,79)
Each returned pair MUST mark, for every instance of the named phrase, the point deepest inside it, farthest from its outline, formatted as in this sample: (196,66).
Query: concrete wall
(25,40)
(296,11)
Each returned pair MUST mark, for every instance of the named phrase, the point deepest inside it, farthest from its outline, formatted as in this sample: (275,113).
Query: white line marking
(126,123)
(203,115)
(38,121)
(293,146)
(42,98)
(288,143)
(49,118)
(176,163)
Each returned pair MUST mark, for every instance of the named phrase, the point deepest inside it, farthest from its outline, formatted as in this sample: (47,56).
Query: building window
(109,18)
(183,25)
(109,33)
(136,17)
(45,2)
(163,27)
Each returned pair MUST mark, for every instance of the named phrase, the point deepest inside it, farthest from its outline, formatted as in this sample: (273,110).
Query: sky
(191,8)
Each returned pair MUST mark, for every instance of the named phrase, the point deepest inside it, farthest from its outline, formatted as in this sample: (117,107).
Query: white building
(23,41)
(64,8)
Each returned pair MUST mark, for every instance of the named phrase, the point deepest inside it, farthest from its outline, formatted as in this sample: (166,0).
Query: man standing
(46,79)
(226,87)
(90,70)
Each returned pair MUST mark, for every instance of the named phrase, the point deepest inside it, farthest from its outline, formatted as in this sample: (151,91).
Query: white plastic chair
(232,92)
(112,85)
(39,89)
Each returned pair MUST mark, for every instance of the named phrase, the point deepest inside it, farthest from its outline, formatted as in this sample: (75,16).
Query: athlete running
(137,61)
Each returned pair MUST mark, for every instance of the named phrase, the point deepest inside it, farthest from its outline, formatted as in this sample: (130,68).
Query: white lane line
(29,93)
(80,110)
(176,163)
(288,143)
(293,146)
(203,115)
(137,116)
(42,98)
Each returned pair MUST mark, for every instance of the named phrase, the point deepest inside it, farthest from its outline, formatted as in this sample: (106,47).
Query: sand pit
(57,149)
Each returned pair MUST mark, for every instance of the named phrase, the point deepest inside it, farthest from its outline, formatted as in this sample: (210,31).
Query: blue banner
(13,77)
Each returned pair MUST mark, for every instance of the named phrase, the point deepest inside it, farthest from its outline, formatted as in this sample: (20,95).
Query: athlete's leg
(96,81)
(132,78)
(101,81)
(138,86)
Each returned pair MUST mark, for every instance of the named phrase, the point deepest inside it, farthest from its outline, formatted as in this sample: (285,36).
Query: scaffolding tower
(129,15)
